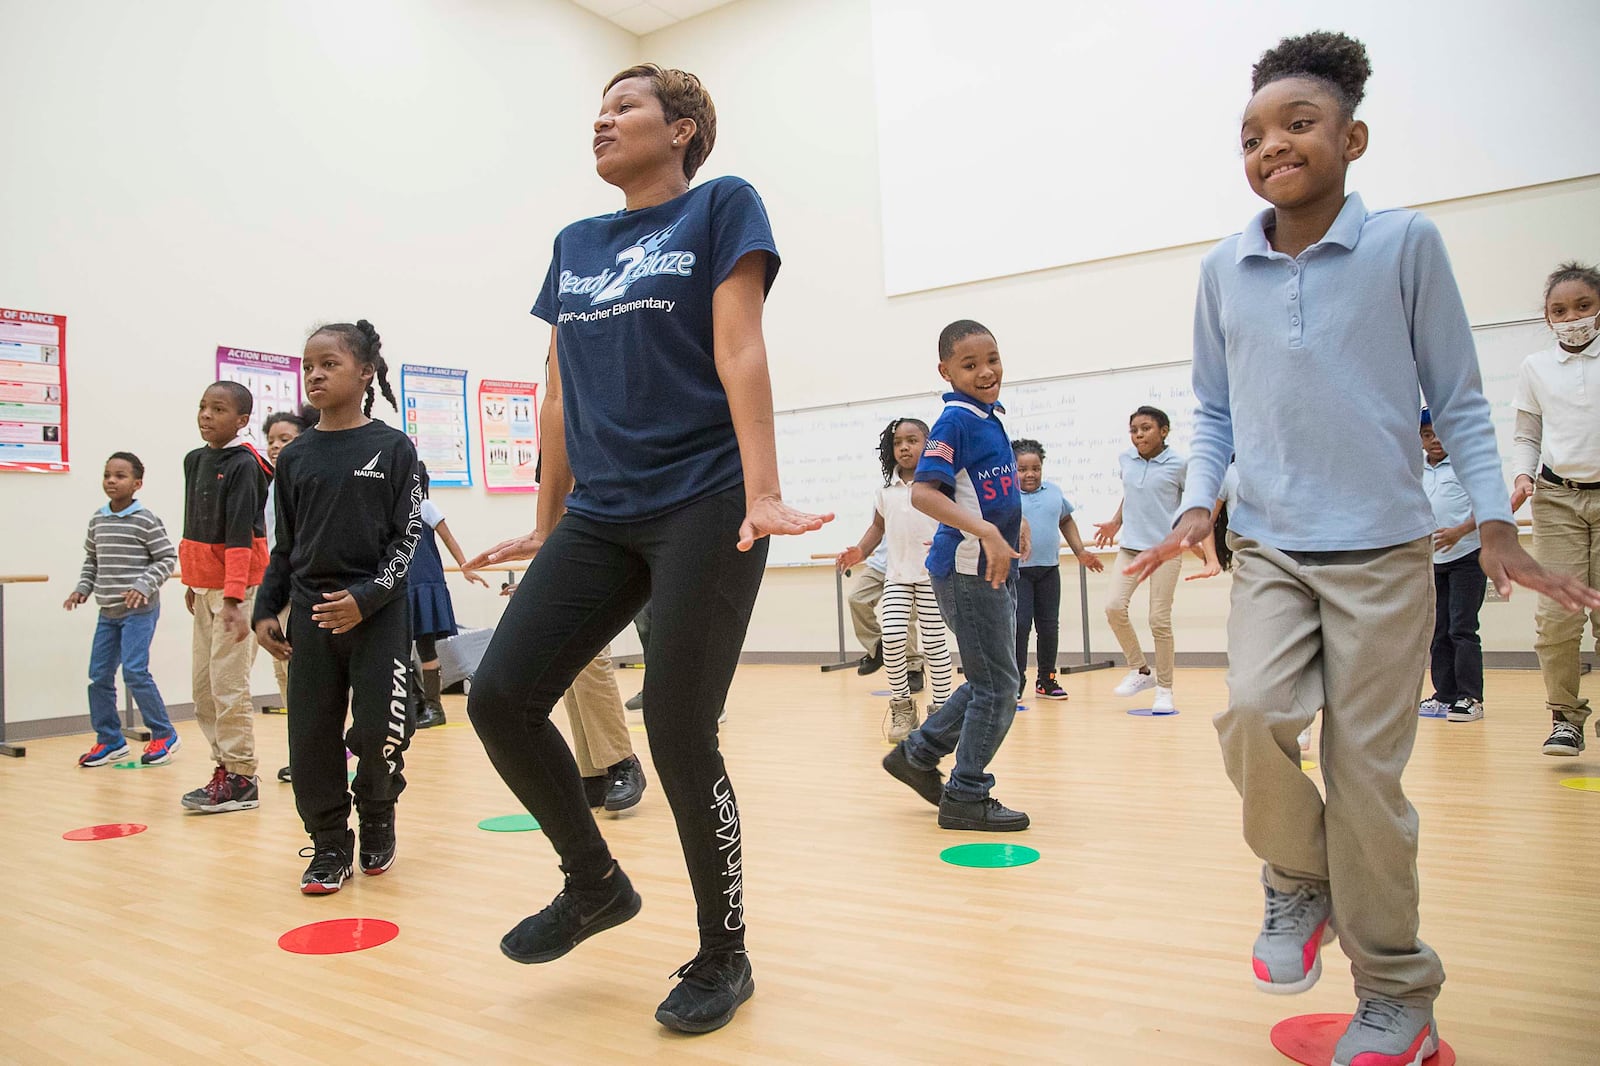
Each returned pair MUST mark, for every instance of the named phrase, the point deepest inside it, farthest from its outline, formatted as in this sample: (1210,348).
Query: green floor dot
(351,776)
(131,764)
(510,823)
(989,856)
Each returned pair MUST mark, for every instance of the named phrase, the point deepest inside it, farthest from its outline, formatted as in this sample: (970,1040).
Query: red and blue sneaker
(159,752)
(101,754)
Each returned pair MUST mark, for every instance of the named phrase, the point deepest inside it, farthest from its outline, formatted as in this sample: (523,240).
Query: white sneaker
(1163,700)
(1305,741)
(1432,708)
(1134,683)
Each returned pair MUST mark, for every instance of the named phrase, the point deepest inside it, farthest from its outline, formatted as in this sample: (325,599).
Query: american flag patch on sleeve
(938,449)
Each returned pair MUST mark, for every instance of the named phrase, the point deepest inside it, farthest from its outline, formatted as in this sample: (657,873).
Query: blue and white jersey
(969,456)
(647,420)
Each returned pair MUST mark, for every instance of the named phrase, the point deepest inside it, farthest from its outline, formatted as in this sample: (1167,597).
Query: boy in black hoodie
(223,555)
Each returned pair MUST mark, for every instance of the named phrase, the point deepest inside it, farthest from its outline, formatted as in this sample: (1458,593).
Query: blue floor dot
(1149,712)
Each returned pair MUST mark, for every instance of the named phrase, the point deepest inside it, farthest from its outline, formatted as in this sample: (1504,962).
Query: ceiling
(642,18)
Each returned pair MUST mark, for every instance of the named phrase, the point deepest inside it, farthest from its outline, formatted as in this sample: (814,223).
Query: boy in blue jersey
(967,480)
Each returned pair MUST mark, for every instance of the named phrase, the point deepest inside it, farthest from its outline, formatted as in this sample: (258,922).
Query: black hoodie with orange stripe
(224,542)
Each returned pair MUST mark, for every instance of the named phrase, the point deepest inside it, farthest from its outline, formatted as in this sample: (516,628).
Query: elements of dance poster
(274,381)
(33,391)
(434,399)
(508,427)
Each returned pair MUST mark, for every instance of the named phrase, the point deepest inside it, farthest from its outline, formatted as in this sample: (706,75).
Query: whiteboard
(828,456)
(1019,135)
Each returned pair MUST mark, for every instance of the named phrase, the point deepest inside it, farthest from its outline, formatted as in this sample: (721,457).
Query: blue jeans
(125,641)
(979,713)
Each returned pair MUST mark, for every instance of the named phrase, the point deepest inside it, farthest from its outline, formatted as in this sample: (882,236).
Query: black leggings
(367,673)
(584,586)
(427,648)
(1038,606)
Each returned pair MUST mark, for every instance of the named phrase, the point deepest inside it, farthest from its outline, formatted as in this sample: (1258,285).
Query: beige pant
(599,724)
(1566,539)
(1163,583)
(1347,632)
(863,600)
(280,667)
(222,683)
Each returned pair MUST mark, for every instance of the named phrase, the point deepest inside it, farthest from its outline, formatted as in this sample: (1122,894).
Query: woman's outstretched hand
(769,516)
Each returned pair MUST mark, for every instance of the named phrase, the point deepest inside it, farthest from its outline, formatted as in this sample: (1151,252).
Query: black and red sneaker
(225,792)
(1049,689)
(330,863)
(377,842)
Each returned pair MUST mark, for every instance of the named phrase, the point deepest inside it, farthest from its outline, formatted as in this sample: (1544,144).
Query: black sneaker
(429,714)
(330,864)
(377,841)
(929,784)
(987,815)
(871,664)
(914,679)
(594,790)
(572,918)
(1565,739)
(283,775)
(714,985)
(625,784)
(202,795)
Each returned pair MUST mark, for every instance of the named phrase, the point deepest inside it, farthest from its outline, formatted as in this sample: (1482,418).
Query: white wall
(794,89)
(182,174)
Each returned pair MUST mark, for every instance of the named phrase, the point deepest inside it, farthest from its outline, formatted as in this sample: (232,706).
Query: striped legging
(894,618)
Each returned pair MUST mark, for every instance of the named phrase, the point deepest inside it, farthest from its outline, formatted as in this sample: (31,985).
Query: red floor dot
(338,936)
(105,832)
(1310,1038)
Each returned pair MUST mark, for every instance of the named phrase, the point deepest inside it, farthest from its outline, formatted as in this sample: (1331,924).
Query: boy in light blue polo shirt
(967,480)
(1459,587)
(1314,330)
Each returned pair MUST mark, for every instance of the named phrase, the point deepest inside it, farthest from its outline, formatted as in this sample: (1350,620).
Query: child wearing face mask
(1558,420)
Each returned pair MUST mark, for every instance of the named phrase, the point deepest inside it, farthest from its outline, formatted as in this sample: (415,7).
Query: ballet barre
(838,595)
(14,751)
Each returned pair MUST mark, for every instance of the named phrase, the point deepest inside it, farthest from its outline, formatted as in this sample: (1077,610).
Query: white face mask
(1579,332)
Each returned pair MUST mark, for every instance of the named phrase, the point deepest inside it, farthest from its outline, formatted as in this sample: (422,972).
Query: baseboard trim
(41,728)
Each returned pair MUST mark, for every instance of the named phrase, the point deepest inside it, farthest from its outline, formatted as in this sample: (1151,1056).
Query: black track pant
(365,672)
(585,585)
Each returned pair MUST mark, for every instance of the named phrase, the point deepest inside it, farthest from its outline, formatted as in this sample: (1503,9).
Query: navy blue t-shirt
(648,427)
(969,457)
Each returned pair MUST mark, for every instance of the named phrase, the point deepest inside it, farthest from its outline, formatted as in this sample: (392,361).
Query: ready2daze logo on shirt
(648,257)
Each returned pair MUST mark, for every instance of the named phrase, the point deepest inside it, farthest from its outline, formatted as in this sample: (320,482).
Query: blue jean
(979,713)
(125,641)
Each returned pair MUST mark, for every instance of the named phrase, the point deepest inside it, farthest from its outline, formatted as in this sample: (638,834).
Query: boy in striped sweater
(127,558)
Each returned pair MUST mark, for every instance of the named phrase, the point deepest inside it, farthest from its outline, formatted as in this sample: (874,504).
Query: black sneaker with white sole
(713,987)
(378,847)
(1565,739)
(572,917)
(330,863)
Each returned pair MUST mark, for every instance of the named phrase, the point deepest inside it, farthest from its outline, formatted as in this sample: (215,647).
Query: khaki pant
(1566,540)
(1347,632)
(222,683)
(863,600)
(1163,583)
(280,667)
(599,724)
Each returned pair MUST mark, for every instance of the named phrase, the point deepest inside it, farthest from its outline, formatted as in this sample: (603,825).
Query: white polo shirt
(1563,389)
(906,532)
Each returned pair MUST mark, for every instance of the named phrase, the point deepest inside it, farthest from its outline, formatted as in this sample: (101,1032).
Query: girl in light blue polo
(1315,329)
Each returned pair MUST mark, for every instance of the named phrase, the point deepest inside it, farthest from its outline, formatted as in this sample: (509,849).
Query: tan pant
(222,683)
(599,724)
(280,667)
(1163,583)
(1566,539)
(863,600)
(1347,632)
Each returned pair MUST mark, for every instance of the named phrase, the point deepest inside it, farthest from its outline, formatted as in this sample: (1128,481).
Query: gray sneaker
(902,718)
(1385,1032)
(1288,954)
(635,701)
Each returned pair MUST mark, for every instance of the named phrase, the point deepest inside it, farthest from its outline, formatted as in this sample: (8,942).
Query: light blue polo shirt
(1151,491)
(1451,507)
(1044,510)
(1309,368)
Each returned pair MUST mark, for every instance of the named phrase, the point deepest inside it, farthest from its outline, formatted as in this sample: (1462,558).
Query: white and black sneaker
(1565,739)
(1465,710)
(330,864)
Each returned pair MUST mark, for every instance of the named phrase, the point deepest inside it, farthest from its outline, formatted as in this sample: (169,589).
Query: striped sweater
(125,550)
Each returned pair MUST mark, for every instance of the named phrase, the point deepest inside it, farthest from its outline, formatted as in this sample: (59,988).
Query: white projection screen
(1017,135)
